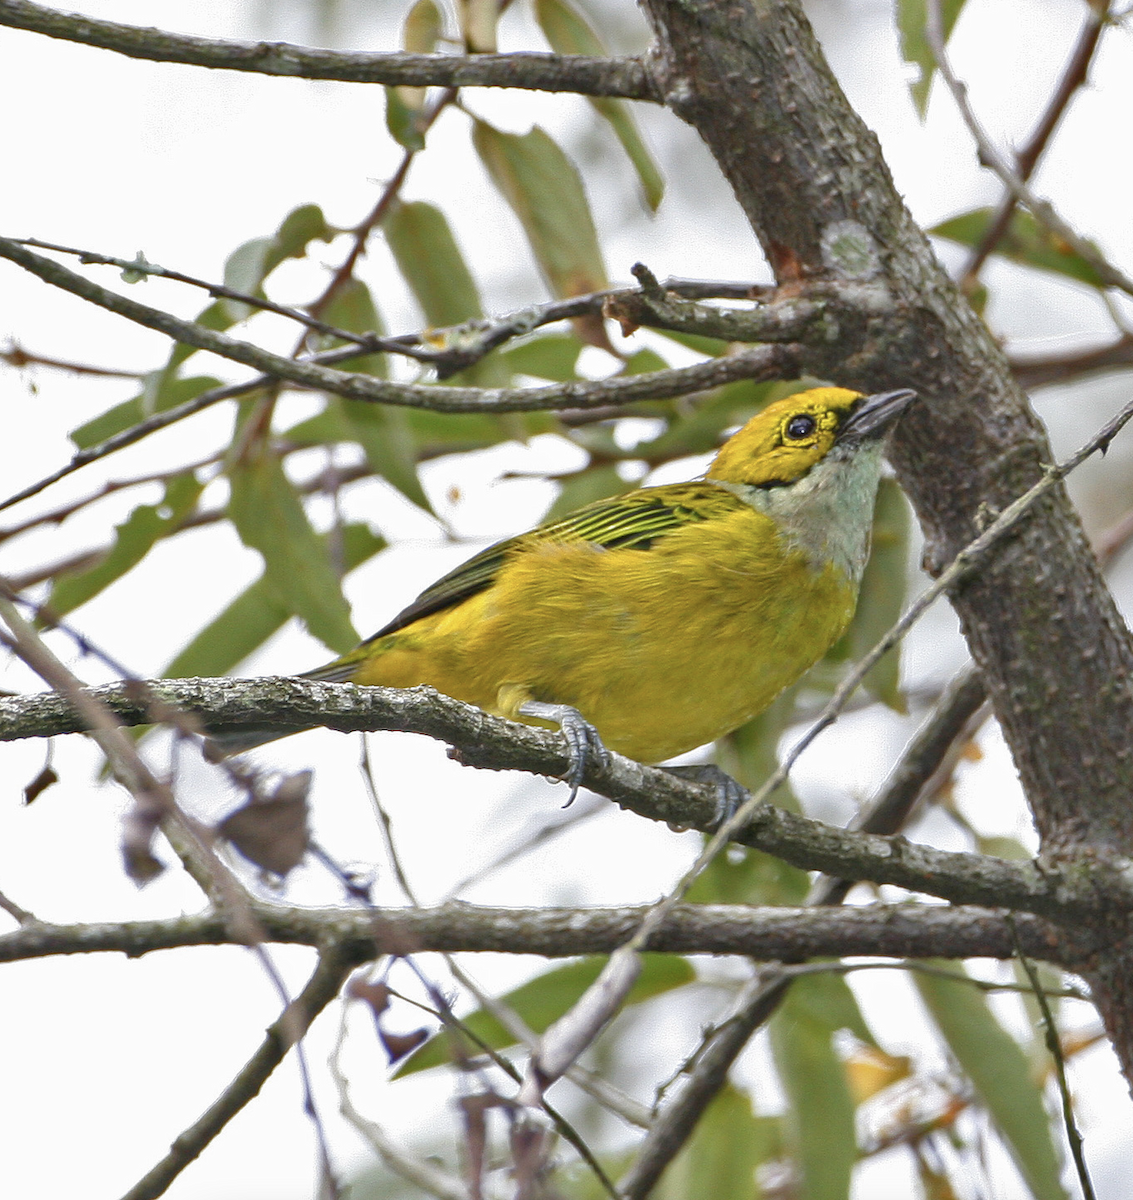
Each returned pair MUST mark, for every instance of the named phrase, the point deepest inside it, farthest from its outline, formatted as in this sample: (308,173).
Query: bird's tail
(224,745)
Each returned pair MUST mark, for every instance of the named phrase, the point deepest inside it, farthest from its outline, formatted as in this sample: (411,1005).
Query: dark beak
(875,414)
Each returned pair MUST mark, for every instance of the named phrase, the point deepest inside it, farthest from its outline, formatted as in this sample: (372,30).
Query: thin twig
(16,356)
(1073,77)
(1054,1045)
(991,158)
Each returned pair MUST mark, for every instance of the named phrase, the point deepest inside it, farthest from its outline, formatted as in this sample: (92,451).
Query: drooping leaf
(820,1116)
(133,540)
(912,23)
(1000,1072)
(254,616)
(542,1000)
(428,257)
(568,32)
(251,263)
(160,392)
(881,597)
(403,121)
(269,516)
(1026,241)
(545,191)
(728,1145)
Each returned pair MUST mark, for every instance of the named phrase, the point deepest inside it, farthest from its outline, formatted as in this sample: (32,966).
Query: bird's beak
(875,414)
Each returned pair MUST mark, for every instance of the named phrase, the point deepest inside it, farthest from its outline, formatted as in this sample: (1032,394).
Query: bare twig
(17,356)
(991,158)
(626,77)
(762,362)
(1073,77)
(905,930)
(1038,371)
(1054,1045)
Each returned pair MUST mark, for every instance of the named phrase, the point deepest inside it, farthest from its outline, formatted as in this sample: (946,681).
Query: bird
(659,620)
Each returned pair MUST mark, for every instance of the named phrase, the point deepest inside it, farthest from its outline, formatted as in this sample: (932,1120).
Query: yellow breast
(661,649)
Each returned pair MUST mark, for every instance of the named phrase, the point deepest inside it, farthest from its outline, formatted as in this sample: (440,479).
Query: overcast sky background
(105,1061)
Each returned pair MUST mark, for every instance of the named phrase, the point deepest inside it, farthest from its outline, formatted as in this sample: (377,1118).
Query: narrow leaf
(1026,242)
(820,1119)
(430,260)
(568,32)
(1000,1072)
(912,23)
(160,392)
(728,1145)
(552,356)
(269,516)
(541,1001)
(133,540)
(545,191)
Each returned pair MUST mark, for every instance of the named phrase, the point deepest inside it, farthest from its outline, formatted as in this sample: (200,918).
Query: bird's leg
(729,794)
(581,738)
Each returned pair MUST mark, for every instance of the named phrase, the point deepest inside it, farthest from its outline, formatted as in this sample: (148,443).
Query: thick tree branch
(765,934)
(491,742)
(627,77)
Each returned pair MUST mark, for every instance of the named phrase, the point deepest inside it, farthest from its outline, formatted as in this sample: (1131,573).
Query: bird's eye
(800,427)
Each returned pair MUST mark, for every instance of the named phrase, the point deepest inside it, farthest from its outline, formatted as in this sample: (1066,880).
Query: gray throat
(828,513)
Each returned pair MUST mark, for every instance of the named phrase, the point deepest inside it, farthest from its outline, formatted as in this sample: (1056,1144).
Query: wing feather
(634,521)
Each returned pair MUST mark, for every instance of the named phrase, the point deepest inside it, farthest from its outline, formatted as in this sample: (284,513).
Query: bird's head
(783,442)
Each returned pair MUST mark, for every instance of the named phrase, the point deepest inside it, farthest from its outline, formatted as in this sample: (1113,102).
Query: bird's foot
(729,794)
(581,738)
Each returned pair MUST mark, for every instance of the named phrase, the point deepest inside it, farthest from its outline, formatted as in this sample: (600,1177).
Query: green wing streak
(633,521)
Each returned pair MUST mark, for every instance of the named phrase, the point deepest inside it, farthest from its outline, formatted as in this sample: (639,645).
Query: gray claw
(581,738)
(729,794)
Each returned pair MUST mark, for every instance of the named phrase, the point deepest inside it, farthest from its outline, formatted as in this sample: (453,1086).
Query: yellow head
(780,445)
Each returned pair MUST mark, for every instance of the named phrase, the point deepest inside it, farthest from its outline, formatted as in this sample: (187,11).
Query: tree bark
(1041,623)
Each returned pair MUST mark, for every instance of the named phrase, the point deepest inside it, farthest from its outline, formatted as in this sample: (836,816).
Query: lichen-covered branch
(765,934)
(486,741)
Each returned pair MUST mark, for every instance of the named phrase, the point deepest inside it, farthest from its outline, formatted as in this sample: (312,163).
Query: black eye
(800,427)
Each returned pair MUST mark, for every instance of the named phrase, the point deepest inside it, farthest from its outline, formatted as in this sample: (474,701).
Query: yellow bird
(664,618)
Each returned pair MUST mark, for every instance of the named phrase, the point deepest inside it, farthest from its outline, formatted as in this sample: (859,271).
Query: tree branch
(491,742)
(767,934)
(766,362)
(626,77)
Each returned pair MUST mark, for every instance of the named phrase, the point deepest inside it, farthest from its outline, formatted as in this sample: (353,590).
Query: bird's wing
(634,521)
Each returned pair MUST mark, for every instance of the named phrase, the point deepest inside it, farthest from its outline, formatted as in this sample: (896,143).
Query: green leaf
(159,393)
(430,260)
(829,1000)
(912,23)
(551,356)
(545,191)
(882,597)
(544,999)
(642,361)
(403,120)
(710,347)
(998,1068)
(133,540)
(424,27)
(269,516)
(250,264)
(352,308)
(1026,242)
(568,32)
(728,1145)
(385,434)
(820,1119)
(254,616)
